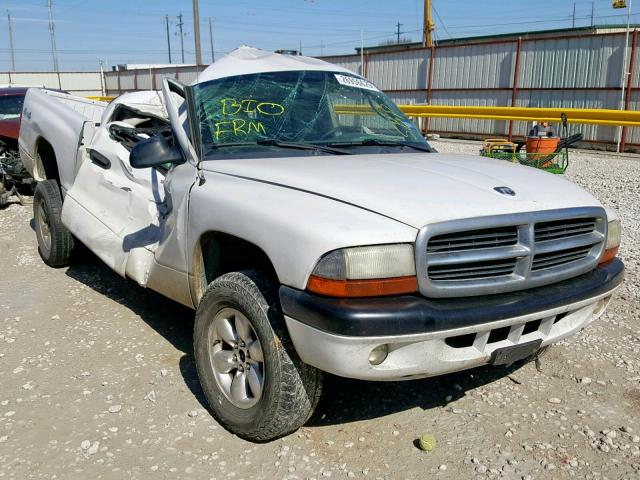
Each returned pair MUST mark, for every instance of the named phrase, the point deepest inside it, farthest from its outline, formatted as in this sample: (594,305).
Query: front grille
(554,259)
(509,252)
(485,238)
(469,271)
(564,228)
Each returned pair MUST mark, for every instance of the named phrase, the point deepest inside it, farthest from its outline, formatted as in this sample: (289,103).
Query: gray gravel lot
(97,381)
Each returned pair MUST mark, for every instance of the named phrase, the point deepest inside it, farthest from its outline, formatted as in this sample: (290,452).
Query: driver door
(129,217)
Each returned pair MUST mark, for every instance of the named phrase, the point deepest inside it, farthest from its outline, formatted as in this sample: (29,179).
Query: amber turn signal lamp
(609,255)
(362,288)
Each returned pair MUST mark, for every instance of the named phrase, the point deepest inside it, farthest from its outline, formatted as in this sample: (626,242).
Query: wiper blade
(282,144)
(381,143)
(302,146)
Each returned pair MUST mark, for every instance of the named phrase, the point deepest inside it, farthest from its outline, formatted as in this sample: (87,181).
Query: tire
(290,389)
(55,242)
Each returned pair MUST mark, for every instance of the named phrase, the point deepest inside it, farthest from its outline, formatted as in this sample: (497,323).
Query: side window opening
(128,126)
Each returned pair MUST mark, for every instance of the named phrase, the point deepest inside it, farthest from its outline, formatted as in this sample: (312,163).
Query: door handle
(99,159)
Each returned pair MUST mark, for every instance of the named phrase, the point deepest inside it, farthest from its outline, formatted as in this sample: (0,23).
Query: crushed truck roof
(247,60)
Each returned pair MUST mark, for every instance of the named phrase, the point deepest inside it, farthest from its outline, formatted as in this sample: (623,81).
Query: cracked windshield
(307,110)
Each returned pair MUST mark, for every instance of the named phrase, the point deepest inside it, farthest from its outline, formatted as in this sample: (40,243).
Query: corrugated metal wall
(576,71)
(592,61)
(78,83)
(399,71)
(130,80)
(474,66)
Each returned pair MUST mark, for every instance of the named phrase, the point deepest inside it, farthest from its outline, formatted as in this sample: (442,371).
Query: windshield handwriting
(231,106)
(238,127)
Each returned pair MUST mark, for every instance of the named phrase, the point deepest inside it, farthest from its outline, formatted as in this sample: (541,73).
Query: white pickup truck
(312,228)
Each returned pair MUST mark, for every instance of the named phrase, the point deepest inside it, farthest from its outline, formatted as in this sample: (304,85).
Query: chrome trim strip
(480,255)
(548,246)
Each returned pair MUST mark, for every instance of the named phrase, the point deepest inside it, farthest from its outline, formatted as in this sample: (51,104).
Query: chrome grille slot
(475,239)
(474,270)
(554,259)
(503,253)
(564,228)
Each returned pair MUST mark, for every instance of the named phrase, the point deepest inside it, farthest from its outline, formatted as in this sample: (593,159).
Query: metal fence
(78,83)
(569,71)
(121,81)
(574,71)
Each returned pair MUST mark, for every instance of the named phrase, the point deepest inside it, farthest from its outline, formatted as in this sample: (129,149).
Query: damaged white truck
(312,228)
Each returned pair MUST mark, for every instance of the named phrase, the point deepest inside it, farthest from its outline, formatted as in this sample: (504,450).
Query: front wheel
(55,242)
(255,384)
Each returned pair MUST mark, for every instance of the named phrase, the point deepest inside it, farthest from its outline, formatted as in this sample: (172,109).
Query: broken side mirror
(155,152)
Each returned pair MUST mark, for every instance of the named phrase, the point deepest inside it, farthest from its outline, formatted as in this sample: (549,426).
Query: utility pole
(13,58)
(166,19)
(102,89)
(213,57)
(573,22)
(398,32)
(180,24)
(362,52)
(427,25)
(52,33)
(593,12)
(196,32)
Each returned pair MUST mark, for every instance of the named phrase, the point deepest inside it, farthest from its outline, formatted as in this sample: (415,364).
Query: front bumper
(432,337)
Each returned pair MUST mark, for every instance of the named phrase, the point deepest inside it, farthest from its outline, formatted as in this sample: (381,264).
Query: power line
(444,27)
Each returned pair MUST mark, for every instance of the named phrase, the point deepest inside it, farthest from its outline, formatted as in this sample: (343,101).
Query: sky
(134,31)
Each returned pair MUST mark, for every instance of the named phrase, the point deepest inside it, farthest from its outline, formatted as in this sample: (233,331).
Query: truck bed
(56,122)
(90,110)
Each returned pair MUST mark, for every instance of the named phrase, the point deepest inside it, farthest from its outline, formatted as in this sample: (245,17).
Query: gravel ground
(98,381)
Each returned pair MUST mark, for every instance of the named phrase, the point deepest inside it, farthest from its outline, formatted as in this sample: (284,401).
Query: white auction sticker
(355,82)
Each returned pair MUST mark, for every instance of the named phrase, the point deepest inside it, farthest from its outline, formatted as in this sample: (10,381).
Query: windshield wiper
(380,143)
(282,144)
(302,146)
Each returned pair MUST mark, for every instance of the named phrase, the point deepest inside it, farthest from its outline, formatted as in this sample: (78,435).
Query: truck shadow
(170,319)
(343,400)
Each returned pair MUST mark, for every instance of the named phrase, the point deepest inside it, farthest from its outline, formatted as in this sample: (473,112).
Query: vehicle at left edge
(14,178)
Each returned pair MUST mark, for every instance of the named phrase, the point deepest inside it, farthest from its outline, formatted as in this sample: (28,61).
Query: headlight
(365,272)
(614,232)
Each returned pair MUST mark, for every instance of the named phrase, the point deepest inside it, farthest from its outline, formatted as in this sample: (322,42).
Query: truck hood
(415,189)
